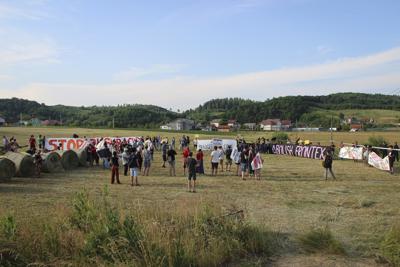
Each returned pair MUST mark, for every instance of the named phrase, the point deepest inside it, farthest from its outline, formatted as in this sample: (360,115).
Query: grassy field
(292,200)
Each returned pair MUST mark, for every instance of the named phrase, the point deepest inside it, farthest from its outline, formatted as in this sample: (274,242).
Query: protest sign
(211,143)
(79,143)
(349,152)
(378,162)
(312,152)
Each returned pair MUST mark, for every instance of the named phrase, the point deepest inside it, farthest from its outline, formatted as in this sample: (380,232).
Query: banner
(349,152)
(378,162)
(257,162)
(79,143)
(312,152)
(210,144)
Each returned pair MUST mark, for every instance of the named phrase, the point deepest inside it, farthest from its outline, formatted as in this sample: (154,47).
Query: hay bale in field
(52,162)
(24,164)
(82,155)
(69,159)
(7,168)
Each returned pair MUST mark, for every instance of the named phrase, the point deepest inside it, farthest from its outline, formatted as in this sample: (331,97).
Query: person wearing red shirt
(200,165)
(32,143)
(185,153)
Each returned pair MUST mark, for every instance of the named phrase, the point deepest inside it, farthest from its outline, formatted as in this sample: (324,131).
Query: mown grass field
(291,200)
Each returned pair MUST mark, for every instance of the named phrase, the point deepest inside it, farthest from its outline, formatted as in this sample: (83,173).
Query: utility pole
(331,129)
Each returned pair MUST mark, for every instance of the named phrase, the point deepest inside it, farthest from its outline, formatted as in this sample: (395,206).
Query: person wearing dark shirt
(392,158)
(134,168)
(115,168)
(327,163)
(228,163)
(38,162)
(191,165)
(171,160)
(164,148)
(243,162)
(396,152)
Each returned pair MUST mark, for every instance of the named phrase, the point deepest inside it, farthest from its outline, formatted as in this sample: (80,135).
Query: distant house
(233,124)
(224,128)
(275,125)
(180,125)
(51,123)
(215,123)
(355,126)
(250,125)
(2,121)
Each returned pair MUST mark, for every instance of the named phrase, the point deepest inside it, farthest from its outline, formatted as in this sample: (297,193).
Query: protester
(200,163)
(89,155)
(164,148)
(396,151)
(392,158)
(228,163)
(40,140)
(6,143)
(173,142)
(250,156)
(257,165)
(171,153)
(327,163)
(185,154)
(244,162)
(38,162)
(147,161)
(139,157)
(32,143)
(134,168)
(125,160)
(221,157)
(214,161)
(115,168)
(195,142)
(191,162)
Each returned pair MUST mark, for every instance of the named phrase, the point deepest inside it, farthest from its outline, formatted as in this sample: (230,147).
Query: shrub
(8,227)
(280,136)
(321,240)
(376,140)
(390,246)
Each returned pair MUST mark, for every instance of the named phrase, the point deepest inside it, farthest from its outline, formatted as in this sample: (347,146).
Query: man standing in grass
(191,163)
(134,168)
(171,160)
(214,161)
(164,148)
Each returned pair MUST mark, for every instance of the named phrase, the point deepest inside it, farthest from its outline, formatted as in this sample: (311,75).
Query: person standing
(173,142)
(200,162)
(164,148)
(214,161)
(251,156)
(125,160)
(134,168)
(392,158)
(32,144)
(115,168)
(191,162)
(228,163)
(327,163)
(40,140)
(257,165)
(6,143)
(146,161)
(171,161)
(185,154)
(244,162)
(221,157)
(396,151)
(38,160)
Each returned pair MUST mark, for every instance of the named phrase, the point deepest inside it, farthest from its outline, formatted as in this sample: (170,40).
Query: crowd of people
(137,158)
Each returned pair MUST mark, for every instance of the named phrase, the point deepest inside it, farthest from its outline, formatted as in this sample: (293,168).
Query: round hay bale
(69,159)
(52,162)
(7,168)
(24,164)
(82,155)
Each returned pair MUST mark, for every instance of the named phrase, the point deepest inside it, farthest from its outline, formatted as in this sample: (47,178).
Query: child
(191,165)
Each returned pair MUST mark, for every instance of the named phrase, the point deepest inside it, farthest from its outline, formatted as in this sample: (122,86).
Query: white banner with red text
(349,152)
(53,143)
(378,162)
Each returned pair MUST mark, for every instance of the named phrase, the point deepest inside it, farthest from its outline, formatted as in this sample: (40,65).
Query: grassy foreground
(293,217)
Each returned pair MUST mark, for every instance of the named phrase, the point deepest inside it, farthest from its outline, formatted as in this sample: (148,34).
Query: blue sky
(179,54)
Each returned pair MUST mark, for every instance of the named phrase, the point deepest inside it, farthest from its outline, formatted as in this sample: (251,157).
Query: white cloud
(324,49)
(151,71)
(378,72)
(14,12)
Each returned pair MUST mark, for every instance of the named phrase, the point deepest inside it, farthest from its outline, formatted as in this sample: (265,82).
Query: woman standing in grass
(200,164)
(327,163)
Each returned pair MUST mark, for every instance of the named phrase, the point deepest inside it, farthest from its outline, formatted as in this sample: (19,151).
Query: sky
(179,54)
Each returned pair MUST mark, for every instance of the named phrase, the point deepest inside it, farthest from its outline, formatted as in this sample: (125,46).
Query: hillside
(124,116)
(309,110)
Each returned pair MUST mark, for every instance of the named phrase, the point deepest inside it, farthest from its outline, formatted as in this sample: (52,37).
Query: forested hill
(289,107)
(146,116)
(302,108)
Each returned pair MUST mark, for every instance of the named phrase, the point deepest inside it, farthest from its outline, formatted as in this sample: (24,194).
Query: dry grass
(291,199)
